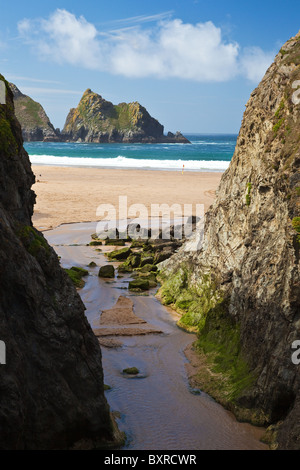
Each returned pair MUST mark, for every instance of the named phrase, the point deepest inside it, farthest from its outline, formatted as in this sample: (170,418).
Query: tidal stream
(157,409)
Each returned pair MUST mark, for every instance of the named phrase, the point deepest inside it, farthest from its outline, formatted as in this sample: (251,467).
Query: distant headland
(94,120)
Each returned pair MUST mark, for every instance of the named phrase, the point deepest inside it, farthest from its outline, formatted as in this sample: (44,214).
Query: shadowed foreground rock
(241,287)
(51,388)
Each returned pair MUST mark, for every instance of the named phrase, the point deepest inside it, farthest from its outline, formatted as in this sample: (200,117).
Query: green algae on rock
(121,254)
(92,264)
(107,271)
(95,243)
(131,371)
(76,274)
(139,285)
(33,241)
(110,242)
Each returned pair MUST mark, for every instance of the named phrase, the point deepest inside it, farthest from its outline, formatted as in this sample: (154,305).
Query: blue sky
(191,63)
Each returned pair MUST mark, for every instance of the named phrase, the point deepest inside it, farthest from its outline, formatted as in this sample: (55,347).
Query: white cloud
(168,49)
(143,18)
(70,39)
(175,49)
(49,91)
(24,26)
(11,77)
(255,62)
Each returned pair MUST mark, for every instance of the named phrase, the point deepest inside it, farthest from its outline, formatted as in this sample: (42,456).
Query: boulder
(161,256)
(120,255)
(148,268)
(139,284)
(107,271)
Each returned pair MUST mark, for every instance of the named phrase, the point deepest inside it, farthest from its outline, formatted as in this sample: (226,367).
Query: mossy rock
(150,276)
(147,248)
(162,256)
(8,144)
(131,371)
(148,268)
(76,274)
(168,298)
(192,302)
(296,226)
(107,271)
(92,264)
(112,234)
(147,260)
(205,310)
(135,260)
(34,242)
(132,262)
(110,242)
(81,271)
(139,284)
(219,339)
(120,254)
(137,243)
(95,243)
(125,268)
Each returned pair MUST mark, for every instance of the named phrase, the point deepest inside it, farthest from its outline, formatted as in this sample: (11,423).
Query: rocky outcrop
(240,286)
(98,120)
(51,388)
(94,120)
(36,125)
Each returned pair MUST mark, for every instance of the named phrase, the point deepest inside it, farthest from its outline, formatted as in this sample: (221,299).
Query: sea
(207,152)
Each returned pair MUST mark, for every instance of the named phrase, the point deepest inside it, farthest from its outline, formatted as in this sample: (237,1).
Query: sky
(192,63)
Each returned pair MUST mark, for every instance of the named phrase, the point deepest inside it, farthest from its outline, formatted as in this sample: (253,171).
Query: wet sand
(70,194)
(158,409)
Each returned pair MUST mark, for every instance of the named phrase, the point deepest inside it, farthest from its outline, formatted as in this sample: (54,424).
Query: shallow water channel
(157,409)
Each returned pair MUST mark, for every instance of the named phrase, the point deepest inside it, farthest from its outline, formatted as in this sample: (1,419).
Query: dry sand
(71,194)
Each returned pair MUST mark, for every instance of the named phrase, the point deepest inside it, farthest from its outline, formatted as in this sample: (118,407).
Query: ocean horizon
(207,152)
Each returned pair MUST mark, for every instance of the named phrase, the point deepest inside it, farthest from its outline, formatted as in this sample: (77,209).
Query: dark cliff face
(245,278)
(36,125)
(98,120)
(51,387)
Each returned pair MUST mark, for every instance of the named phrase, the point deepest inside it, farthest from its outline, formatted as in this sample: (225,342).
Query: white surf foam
(124,162)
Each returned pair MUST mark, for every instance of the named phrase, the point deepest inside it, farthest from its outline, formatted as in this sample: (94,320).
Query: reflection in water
(158,410)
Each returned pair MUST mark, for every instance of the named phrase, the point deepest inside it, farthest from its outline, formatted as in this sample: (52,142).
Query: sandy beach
(71,194)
